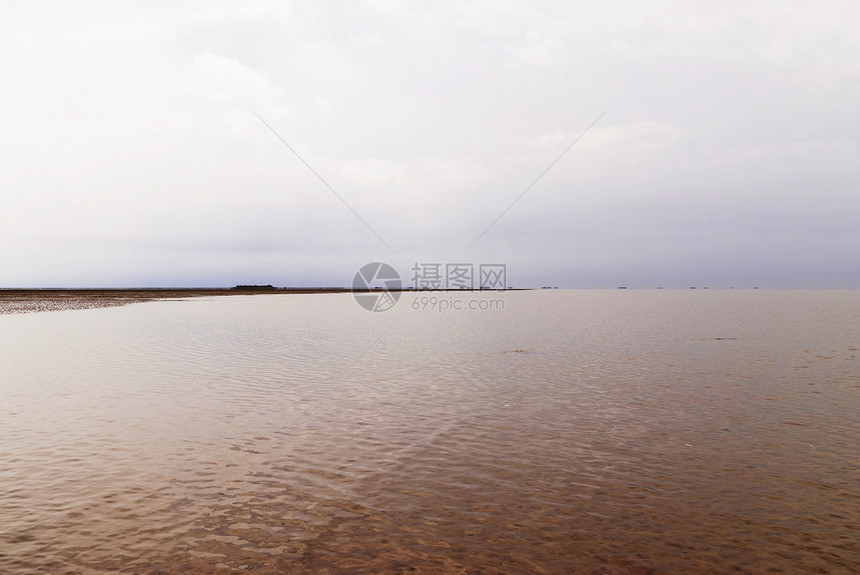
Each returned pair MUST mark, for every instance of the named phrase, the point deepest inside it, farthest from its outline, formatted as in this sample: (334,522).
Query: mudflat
(39,300)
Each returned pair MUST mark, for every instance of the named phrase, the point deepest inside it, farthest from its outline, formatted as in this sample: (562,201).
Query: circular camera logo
(376,286)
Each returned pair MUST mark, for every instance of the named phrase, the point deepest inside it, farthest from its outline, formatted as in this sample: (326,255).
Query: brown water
(573,432)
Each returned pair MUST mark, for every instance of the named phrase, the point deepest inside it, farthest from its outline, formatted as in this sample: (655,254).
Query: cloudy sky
(132,153)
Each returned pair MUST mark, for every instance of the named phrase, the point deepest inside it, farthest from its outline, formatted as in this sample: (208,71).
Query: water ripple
(575,432)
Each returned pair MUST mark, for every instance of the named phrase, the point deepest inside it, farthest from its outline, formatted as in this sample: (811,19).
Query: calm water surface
(572,432)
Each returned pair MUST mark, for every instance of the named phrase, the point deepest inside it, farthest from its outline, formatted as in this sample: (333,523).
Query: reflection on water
(573,432)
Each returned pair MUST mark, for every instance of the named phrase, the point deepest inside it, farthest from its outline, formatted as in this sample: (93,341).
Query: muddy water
(572,432)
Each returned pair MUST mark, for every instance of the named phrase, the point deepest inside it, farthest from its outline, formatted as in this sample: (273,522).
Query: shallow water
(572,432)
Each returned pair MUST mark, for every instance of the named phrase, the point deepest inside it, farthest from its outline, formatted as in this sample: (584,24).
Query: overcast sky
(727,156)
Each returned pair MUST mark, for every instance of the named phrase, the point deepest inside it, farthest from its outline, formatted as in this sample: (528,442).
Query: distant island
(267,287)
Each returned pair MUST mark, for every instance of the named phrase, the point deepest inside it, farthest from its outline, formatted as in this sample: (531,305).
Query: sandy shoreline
(16,301)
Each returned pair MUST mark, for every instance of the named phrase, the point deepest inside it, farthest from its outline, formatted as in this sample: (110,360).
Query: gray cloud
(132,157)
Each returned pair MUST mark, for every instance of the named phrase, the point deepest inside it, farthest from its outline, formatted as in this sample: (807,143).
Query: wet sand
(39,300)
